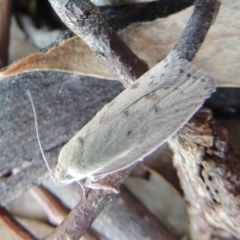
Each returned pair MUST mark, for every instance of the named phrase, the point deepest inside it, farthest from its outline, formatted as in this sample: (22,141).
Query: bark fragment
(209,171)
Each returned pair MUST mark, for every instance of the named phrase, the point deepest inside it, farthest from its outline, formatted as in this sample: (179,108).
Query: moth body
(136,122)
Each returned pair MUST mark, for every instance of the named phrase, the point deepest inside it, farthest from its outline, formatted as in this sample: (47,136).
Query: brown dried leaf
(73,55)
(219,54)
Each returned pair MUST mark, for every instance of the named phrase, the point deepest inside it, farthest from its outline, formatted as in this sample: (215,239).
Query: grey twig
(85,20)
(119,17)
(203,16)
(82,216)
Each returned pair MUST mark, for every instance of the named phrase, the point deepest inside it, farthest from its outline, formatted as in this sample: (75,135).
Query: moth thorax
(59,175)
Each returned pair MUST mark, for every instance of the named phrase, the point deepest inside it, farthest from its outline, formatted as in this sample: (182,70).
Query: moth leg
(83,189)
(91,183)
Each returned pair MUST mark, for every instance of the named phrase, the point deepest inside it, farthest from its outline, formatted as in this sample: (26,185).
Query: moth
(135,123)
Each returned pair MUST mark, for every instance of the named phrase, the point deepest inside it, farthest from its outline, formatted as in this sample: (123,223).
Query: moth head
(69,167)
(61,177)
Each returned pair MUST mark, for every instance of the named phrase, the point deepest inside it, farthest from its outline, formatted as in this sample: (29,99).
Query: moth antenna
(36,127)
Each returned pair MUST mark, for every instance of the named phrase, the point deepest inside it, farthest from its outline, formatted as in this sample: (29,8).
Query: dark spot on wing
(206,88)
(188,75)
(152,80)
(81,140)
(129,132)
(177,110)
(203,80)
(194,77)
(156,109)
(162,74)
(165,66)
(181,71)
(127,113)
(134,85)
(152,96)
(165,60)
(151,83)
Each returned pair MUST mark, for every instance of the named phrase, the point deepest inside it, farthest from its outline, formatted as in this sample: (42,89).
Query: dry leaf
(161,162)
(27,210)
(219,54)
(73,55)
(165,202)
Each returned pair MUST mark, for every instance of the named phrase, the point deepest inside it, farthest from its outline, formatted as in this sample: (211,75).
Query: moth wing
(160,76)
(150,121)
(141,118)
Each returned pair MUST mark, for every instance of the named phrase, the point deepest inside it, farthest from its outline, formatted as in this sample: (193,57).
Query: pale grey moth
(136,122)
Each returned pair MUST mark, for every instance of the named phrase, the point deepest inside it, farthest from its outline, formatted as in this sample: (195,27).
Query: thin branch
(85,20)
(119,17)
(12,224)
(5,30)
(54,208)
(204,14)
(82,216)
(85,212)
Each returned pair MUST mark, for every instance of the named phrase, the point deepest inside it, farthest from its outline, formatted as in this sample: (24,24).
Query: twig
(55,210)
(209,171)
(85,20)
(197,27)
(5,30)
(20,231)
(82,216)
(87,210)
(119,17)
